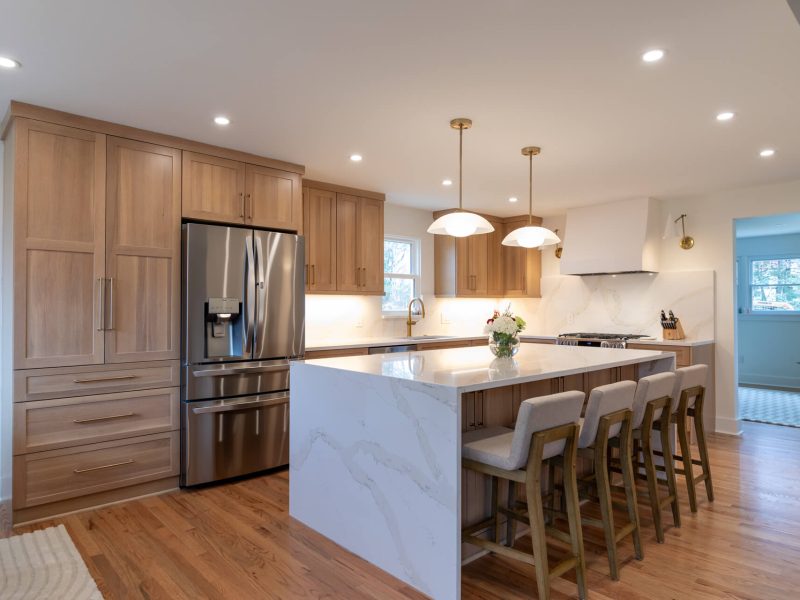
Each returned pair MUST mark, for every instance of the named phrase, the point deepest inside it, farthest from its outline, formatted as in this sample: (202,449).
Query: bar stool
(688,395)
(546,430)
(608,417)
(651,412)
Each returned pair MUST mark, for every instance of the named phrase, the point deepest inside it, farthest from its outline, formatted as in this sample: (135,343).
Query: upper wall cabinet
(480,266)
(344,240)
(229,191)
(59,191)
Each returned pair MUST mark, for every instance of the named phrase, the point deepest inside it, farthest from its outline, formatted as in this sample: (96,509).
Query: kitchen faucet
(409,322)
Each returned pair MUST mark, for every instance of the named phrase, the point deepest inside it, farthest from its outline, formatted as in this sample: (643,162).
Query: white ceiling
(772,225)
(314,81)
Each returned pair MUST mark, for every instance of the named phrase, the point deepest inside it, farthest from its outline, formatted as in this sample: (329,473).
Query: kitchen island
(375,442)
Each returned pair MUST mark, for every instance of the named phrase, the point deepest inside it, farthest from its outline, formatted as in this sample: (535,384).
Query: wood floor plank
(238,541)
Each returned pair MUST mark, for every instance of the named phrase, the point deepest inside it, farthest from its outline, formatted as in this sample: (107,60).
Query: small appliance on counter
(243,319)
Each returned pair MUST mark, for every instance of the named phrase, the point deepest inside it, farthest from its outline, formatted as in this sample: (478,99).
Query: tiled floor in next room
(769,406)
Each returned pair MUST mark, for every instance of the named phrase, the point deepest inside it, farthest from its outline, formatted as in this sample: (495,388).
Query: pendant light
(531,236)
(460,223)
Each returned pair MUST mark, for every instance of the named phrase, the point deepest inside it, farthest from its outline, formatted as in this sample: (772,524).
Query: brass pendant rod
(682,219)
(530,189)
(460,165)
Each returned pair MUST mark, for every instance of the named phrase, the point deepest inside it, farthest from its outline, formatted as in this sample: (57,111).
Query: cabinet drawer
(46,477)
(683,354)
(42,384)
(49,424)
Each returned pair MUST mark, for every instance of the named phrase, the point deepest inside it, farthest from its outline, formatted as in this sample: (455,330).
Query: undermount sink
(429,337)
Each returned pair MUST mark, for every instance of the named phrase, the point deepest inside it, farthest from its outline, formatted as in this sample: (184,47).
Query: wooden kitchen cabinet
(143,252)
(273,198)
(480,266)
(319,214)
(213,188)
(59,188)
(344,234)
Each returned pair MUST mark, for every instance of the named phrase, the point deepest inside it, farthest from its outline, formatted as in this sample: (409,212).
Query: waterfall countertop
(475,368)
(375,446)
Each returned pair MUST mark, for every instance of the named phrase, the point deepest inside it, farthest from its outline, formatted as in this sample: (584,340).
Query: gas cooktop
(602,336)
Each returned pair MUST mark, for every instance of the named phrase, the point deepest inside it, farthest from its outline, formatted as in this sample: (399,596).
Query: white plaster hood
(618,237)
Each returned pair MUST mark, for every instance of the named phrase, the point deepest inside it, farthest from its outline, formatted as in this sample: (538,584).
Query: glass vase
(505,346)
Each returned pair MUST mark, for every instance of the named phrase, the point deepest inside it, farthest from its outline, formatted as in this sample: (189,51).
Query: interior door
(59,241)
(280,295)
(219,264)
(143,250)
(273,198)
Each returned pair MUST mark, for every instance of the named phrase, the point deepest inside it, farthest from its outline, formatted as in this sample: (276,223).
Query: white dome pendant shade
(531,236)
(460,223)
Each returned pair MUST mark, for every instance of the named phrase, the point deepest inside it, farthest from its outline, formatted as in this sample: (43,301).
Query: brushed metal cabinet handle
(249,204)
(313,274)
(109,417)
(101,379)
(117,464)
(101,301)
(110,304)
(241,205)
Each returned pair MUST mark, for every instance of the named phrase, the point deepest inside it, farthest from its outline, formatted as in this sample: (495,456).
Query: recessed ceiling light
(766,152)
(356,157)
(725,116)
(222,120)
(447,182)
(653,55)
(9,63)
(513,199)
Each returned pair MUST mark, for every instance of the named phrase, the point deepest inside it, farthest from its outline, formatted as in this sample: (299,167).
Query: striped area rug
(44,564)
(769,406)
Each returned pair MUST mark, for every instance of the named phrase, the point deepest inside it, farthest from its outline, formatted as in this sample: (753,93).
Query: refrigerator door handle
(221,406)
(249,295)
(261,308)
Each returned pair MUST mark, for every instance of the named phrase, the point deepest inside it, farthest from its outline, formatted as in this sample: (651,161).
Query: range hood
(618,237)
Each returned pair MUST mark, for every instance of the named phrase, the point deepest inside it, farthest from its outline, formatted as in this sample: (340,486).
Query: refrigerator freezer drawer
(237,436)
(220,380)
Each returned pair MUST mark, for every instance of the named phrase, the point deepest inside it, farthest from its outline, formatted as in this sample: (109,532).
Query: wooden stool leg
(652,483)
(686,454)
(606,508)
(574,522)
(701,446)
(511,524)
(629,481)
(549,518)
(669,468)
(533,491)
(495,512)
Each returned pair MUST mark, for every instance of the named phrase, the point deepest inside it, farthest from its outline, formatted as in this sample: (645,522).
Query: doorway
(768,318)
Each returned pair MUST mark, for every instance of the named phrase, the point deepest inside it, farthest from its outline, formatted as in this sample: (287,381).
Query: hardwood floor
(237,541)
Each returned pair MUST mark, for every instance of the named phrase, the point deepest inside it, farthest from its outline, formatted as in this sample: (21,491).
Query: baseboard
(728,426)
(773,381)
(763,386)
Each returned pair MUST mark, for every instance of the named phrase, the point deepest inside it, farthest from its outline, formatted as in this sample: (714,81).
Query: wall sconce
(687,241)
(559,249)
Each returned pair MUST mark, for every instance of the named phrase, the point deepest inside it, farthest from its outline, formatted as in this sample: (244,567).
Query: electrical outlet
(570,318)
(360,322)
(444,318)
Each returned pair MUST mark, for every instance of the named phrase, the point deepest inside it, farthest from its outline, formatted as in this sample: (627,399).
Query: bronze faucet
(409,322)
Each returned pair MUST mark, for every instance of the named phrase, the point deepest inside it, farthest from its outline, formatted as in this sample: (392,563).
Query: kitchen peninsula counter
(375,458)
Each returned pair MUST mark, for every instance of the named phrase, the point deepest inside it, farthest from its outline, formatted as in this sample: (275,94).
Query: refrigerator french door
(243,320)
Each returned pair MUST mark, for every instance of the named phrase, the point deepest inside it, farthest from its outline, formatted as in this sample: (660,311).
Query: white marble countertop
(475,368)
(649,341)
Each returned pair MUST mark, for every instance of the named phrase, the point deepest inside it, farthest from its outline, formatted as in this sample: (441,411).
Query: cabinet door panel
(273,198)
(478,248)
(213,188)
(370,238)
(495,280)
(59,220)
(464,281)
(347,255)
(143,262)
(319,214)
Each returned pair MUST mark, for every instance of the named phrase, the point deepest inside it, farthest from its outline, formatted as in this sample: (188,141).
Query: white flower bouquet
(503,329)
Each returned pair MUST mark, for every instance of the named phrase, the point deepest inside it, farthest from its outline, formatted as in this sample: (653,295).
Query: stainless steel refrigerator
(243,319)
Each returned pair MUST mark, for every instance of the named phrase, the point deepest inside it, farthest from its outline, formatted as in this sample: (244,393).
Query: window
(775,285)
(400,274)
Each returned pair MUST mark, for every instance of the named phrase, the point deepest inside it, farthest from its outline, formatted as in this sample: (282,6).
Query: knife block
(674,334)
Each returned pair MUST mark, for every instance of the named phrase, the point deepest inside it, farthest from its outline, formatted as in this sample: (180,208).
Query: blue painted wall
(769,345)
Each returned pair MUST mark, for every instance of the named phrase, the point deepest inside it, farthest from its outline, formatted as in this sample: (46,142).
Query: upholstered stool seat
(546,430)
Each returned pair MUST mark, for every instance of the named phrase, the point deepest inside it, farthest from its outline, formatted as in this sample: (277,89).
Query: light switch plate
(444,318)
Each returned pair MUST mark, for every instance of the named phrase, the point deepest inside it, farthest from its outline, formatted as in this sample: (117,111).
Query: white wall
(769,345)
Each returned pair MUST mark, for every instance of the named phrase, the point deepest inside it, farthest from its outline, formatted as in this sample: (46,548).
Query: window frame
(416,270)
(751,286)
